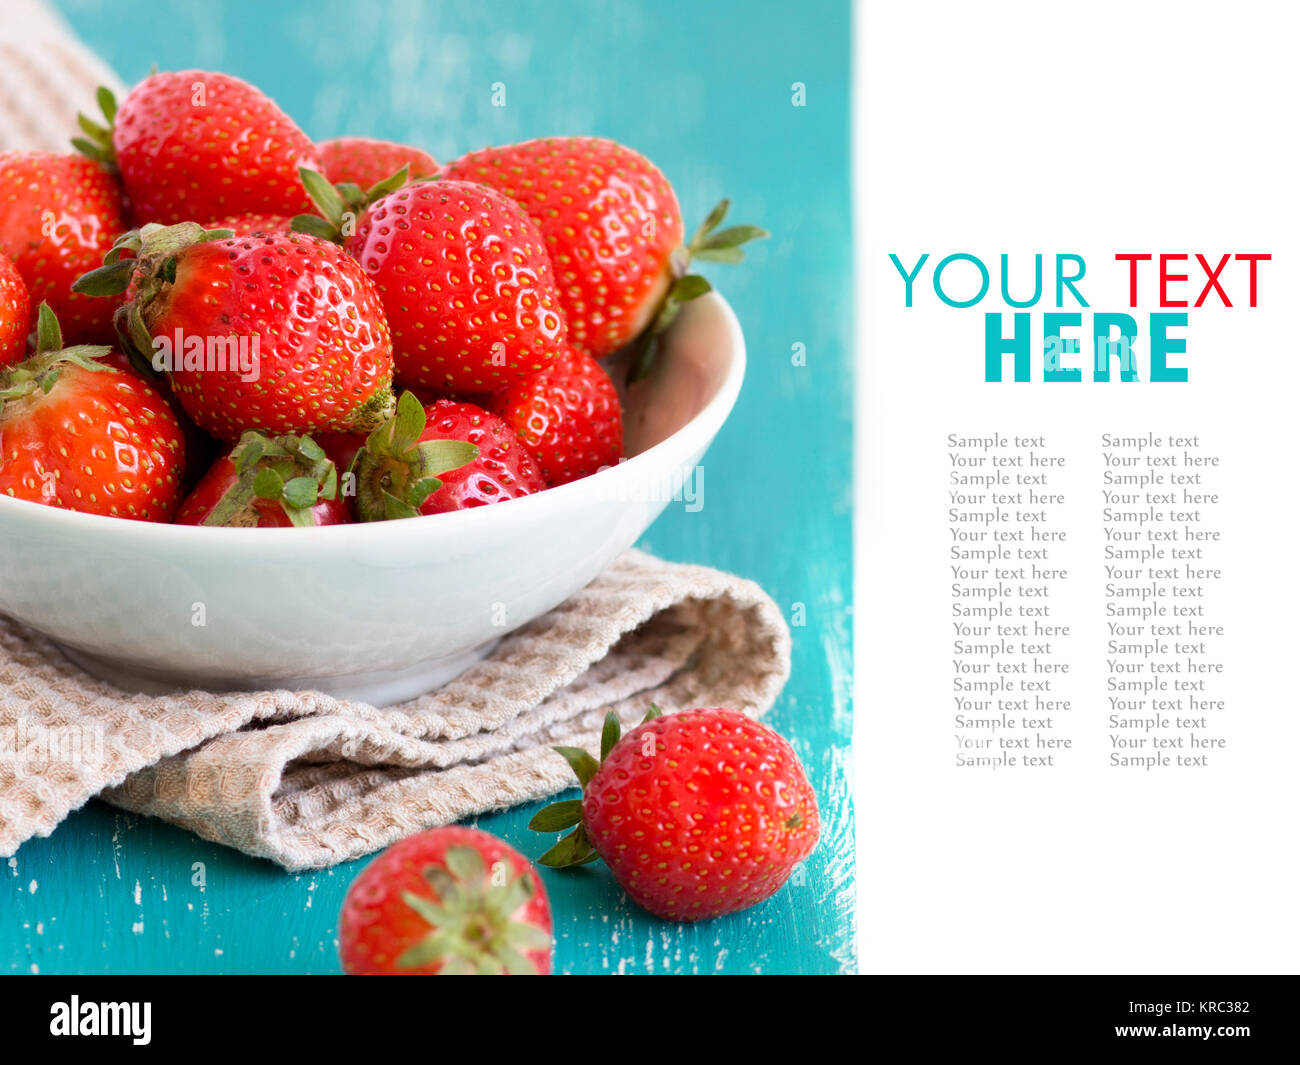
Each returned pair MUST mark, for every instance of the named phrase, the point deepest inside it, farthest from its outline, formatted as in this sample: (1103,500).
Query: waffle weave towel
(308,780)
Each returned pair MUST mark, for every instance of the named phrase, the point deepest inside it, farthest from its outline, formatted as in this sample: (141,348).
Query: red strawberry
(568,415)
(611,223)
(251,224)
(464,276)
(193,146)
(268,482)
(200,449)
(59,214)
(79,434)
(697,814)
(283,334)
(446,456)
(614,231)
(365,162)
(15,313)
(449,901)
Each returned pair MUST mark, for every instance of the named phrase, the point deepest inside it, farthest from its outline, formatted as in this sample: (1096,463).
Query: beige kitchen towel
(46,77)
(308,780)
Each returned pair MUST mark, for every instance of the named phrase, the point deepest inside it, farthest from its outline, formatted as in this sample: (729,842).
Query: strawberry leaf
(720,255)
(107,103)
(582,764)
(609,735)
(711,222)
(48,335)
(407,425)
(439,456)
(557,817)
(573,849)
(327,199)
(465,864)
(300,493)
(267,484)
(732,237)
(688,288)
(110,280)
(390,184)
(314,226)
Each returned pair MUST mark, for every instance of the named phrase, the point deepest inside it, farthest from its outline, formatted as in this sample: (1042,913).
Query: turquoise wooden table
(708,91)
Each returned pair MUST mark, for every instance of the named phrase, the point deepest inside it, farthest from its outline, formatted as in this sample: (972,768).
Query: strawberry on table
(568,415)
(15,313)
(443,457)
(364,162)
(697,814)
(280,333)
(80,434)
(268,482)
(59,215)
(193,145)
(614,232)
(464,278)
(447,902)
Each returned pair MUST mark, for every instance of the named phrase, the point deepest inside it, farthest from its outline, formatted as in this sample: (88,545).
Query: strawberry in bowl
(80,434)
(272,482)
(443,457)
(365,162)
(61,215)
(315,358)
(463,275)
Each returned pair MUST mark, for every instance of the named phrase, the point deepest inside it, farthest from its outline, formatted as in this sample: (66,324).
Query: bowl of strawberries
(278,414)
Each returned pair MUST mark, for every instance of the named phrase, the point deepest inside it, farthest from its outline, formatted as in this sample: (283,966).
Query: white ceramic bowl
(381,611)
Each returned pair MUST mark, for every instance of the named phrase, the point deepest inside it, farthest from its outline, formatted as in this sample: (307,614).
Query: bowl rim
(702,427)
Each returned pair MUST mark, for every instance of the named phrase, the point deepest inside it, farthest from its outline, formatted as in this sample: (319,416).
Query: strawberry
(448,901)
(446,456)
(568,415)
(59,215)
(79,434)
(195,146)
(697,814)
(15,313)
(614,231)
(269,482)
(281,333)
(365,162)
(251,224)
(463,274)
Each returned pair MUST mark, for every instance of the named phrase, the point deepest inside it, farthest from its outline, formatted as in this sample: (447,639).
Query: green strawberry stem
(472,930)
(575,848)
(293,471)
(152,264)
(97,143)
(340,205)
(396,472)
(708,244)
(41,371)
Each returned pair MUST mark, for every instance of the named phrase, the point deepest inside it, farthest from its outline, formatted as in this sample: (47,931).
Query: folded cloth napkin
(46,77)
(308,780)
